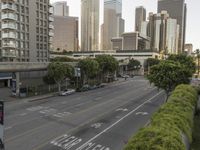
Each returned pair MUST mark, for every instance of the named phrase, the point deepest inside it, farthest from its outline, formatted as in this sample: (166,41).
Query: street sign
(1,124)
(77,72)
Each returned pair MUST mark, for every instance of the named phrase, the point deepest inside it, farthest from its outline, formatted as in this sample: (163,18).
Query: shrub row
(172,122)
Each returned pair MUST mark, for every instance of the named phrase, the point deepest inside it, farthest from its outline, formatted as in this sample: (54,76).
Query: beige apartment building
(65,29)
(65,34)
(25,31)
(89,25)
(61,8)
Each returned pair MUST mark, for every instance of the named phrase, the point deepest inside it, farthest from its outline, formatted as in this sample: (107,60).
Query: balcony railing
(9,26)
(51,26)
(10,53)
(9,16)
(9,35)
(51,34)
(8,6)
(51,10)
(51,19)
(9,45)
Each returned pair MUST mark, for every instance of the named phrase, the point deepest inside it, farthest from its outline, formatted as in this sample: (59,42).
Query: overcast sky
(193,18)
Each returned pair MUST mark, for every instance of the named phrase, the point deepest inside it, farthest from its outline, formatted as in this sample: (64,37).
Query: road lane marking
(142,113)
(61,115)
(67,142)
(122,109)
(98,98)
(130,113)
(8,128)
(91,120)
(23,114)
(96,125)
(36,108)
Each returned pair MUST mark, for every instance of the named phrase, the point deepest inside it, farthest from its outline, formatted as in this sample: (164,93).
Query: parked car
(101,85)
(85,88)
(67,92)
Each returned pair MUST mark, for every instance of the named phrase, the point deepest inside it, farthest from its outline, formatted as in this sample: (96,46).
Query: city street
(101,119)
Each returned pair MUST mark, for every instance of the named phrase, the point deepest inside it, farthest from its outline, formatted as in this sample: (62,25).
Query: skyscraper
(89,25)
(65,29)
(61,8)
(65,34)
(177,9)
(25,30)
(140,16)
(164,32)
(113,25)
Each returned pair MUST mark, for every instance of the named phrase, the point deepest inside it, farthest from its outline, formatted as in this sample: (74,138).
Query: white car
(67,92)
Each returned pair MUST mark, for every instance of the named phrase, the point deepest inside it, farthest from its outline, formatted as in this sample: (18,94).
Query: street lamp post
(197,52)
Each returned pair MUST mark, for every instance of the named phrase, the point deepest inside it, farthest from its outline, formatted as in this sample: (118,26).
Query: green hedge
(168,125)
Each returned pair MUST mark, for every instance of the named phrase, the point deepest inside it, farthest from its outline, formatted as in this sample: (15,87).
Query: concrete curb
(41,98)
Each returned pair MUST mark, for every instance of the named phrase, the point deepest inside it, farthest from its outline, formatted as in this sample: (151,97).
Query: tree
(134,65)
(168,74)
(63,59)
(89,68)
(184,60)
(150,62)
(107,64)
(59,72)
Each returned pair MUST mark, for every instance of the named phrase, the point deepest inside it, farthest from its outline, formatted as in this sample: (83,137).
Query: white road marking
(67,142)
(98,98)
(78,105)
(130,113)
(122,109)
(35,108)
(61,115)
(48,111)
(8,128)
(142,113)
(23,114)
(63,102)
(96,125)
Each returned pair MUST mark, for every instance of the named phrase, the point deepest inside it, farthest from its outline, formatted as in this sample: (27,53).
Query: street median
(171,126)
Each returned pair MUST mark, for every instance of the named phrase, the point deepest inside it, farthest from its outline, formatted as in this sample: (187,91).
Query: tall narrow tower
(177,9)
(140,16)
(113,25)
(89,25)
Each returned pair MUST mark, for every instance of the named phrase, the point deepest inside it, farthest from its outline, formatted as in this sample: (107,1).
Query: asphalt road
(102,119)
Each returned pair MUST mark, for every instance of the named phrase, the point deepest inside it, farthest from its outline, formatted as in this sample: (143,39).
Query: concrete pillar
(8,83)
(17,84)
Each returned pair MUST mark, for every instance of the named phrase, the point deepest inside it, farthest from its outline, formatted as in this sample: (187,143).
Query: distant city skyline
(128,13)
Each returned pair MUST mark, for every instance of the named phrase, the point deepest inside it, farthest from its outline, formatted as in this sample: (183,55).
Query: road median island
(171,126)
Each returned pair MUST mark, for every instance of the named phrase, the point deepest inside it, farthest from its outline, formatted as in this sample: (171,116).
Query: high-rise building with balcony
(177,9)
(140,16)
(61,8)
(113,25)
(89,25)
(25,30)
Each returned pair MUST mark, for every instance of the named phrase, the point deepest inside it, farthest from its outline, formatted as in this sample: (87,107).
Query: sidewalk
(6,96)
